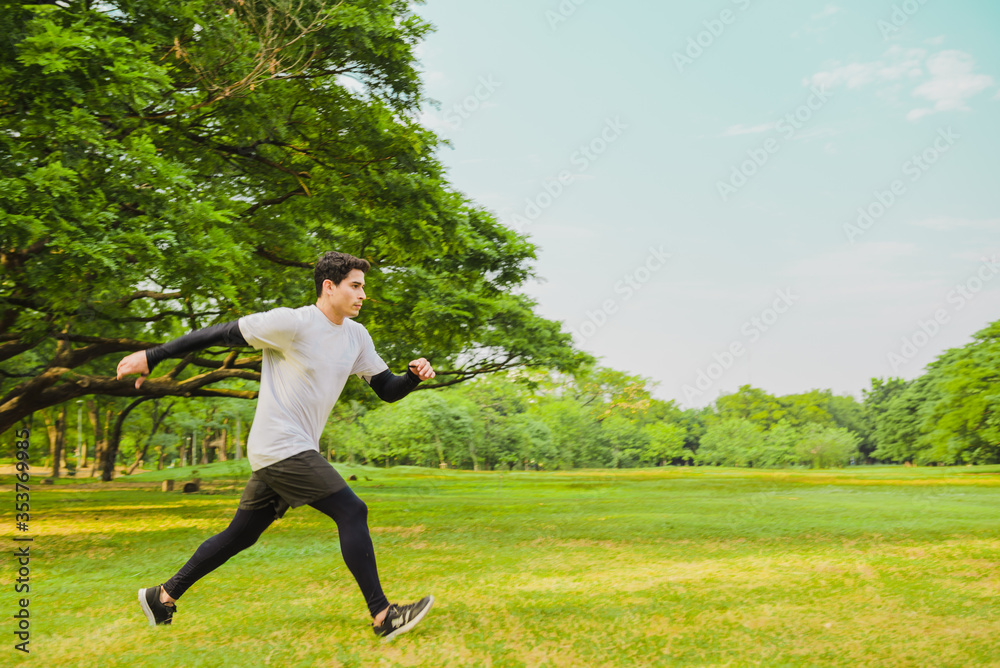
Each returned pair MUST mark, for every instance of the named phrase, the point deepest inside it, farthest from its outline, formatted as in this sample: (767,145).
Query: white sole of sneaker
(410,624)
(145,607)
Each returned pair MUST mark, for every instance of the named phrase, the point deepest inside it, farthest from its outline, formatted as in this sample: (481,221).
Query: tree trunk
(204,448)
(50,431)
(207,443)
(78,454)
(85,450)
(100,434)
(60,444)
(55,428)
(81,460)
(111,452)
(223,445)
(158,419)
(239,444)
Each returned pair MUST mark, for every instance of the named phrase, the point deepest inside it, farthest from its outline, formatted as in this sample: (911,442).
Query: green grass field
(690,566)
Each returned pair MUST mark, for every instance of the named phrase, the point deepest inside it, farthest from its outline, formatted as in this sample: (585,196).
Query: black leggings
(344,507)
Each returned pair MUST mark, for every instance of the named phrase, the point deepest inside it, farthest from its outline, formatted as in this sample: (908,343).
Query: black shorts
(297,481)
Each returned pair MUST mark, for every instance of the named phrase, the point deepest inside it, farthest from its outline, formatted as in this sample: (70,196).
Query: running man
(309,352)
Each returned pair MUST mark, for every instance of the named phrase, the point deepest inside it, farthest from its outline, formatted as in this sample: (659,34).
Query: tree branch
(59,384)
(268,255)
(270,202)
(149,294)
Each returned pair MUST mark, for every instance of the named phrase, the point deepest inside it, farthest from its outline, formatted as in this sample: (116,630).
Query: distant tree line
(594,417)
(600,417)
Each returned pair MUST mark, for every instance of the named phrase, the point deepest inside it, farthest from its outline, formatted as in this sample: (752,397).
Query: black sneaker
(402,618)
(156,612)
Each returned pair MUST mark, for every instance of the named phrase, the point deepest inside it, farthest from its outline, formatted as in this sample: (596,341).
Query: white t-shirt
(307,360)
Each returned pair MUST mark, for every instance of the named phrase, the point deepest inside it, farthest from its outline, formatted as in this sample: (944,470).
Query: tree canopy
(165,165)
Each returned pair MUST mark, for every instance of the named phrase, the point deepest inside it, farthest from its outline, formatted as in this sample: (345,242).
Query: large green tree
(963,423)
(167,164)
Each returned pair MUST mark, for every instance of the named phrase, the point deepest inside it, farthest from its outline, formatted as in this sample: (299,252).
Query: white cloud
(952,82)
(949,80)
(740,129)
(806,135)
(817,23)
(896,64)
(829,10)
(935,41)
(915,114)
(853,75)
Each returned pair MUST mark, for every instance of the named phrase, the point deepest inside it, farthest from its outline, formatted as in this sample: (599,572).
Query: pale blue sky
(741,139)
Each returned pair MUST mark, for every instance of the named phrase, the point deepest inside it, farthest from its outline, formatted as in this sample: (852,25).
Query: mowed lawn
(675,566)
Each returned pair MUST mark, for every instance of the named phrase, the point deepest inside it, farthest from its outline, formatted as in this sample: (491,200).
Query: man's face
(345,299)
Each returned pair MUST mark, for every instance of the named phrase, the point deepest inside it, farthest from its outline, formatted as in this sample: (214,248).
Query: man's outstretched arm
(143,361)
(390,387)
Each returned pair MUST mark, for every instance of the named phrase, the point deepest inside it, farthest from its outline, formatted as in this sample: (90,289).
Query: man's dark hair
(336,266)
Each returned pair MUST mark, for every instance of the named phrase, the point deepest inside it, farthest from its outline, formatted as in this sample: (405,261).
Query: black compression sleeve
(390,387)
(225,334)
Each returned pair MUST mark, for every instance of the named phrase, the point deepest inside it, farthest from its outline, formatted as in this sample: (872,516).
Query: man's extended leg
(351,515)
(242,532)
